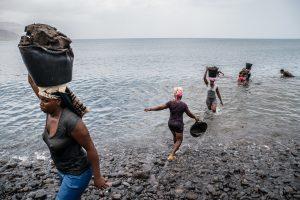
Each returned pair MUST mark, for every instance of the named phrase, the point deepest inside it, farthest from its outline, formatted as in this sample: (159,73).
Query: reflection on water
(117,79)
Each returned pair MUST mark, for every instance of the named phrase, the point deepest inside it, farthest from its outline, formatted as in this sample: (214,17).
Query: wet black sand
(241,169)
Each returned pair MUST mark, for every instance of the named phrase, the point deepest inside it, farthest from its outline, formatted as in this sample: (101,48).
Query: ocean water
(118,78)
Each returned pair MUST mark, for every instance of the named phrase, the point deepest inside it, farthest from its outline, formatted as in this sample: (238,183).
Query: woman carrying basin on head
(176,125)
(68,140)
(212,92)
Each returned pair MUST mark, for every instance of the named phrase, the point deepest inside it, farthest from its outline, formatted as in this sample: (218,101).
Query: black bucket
(198,129)
(46,67)
(213,72)
(248,65)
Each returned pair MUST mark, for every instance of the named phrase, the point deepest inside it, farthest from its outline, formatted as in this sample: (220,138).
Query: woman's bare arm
(82,136)
(33,86)
(219,96)
(204,77)
(191,115)
(156,108)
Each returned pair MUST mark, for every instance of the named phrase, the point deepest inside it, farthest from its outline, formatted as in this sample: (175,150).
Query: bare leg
(208,105)
(174,136)
(179,138)
(213,107)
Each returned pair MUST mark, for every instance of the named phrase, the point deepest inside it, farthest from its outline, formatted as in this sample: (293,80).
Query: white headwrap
(67,96)
(48,91)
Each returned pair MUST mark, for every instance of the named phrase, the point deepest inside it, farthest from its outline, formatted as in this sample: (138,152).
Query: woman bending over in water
(176,125)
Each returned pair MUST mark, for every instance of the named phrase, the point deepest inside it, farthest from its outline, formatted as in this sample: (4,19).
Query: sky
(91,19)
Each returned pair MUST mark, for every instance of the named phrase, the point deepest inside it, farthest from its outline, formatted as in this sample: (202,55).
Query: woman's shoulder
(170,101)
(70,117)
(182,103)
(69,121)
(68,112)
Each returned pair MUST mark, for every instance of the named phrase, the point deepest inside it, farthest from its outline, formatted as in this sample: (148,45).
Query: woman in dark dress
(69,142)
(176,125)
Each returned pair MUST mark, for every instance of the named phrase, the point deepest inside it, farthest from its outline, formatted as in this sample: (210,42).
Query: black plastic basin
(198,129)
(248,65)
(47,67)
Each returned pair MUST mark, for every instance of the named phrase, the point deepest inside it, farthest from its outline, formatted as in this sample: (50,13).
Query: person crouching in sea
(176,125)
(286,74)
(245,74)
(242,78)
(69,141)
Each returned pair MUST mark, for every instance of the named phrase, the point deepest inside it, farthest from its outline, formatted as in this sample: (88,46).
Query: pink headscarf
(178,92)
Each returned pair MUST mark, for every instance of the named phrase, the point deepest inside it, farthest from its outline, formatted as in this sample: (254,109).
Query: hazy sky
(160,18)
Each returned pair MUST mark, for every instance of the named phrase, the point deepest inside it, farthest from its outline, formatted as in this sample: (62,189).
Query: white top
(212,88)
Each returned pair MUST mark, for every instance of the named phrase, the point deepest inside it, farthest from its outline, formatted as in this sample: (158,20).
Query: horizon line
(229,38)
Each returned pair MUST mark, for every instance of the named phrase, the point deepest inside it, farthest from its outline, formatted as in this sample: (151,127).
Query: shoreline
(241,169)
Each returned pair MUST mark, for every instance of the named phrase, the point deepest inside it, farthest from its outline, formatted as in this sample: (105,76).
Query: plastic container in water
(46,67)
(198,129)
(248,65)
(213,72)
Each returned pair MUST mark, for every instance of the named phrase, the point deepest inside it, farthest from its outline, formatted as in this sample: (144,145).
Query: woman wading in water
(69,142)
(176,125)
(212,92)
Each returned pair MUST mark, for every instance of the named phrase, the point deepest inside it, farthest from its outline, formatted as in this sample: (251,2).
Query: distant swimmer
(176,125)
(286,74)
(212,92)
(245,74)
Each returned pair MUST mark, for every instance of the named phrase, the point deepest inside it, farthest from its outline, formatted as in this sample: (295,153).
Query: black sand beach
(241,169)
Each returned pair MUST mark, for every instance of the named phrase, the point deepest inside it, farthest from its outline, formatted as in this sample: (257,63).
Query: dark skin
(177,137)
(211,83)
(52,107)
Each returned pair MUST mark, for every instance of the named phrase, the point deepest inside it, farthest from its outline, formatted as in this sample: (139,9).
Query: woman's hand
(147,109)
(222,103)
(101,183)
(197,119)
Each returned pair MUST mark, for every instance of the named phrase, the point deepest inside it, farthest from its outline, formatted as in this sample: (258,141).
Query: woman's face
(49,105)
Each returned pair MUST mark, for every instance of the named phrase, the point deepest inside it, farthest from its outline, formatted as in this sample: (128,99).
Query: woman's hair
(65,101)
(70,101)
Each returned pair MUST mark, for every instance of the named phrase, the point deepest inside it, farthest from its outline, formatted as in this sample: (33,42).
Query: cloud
(159,18)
